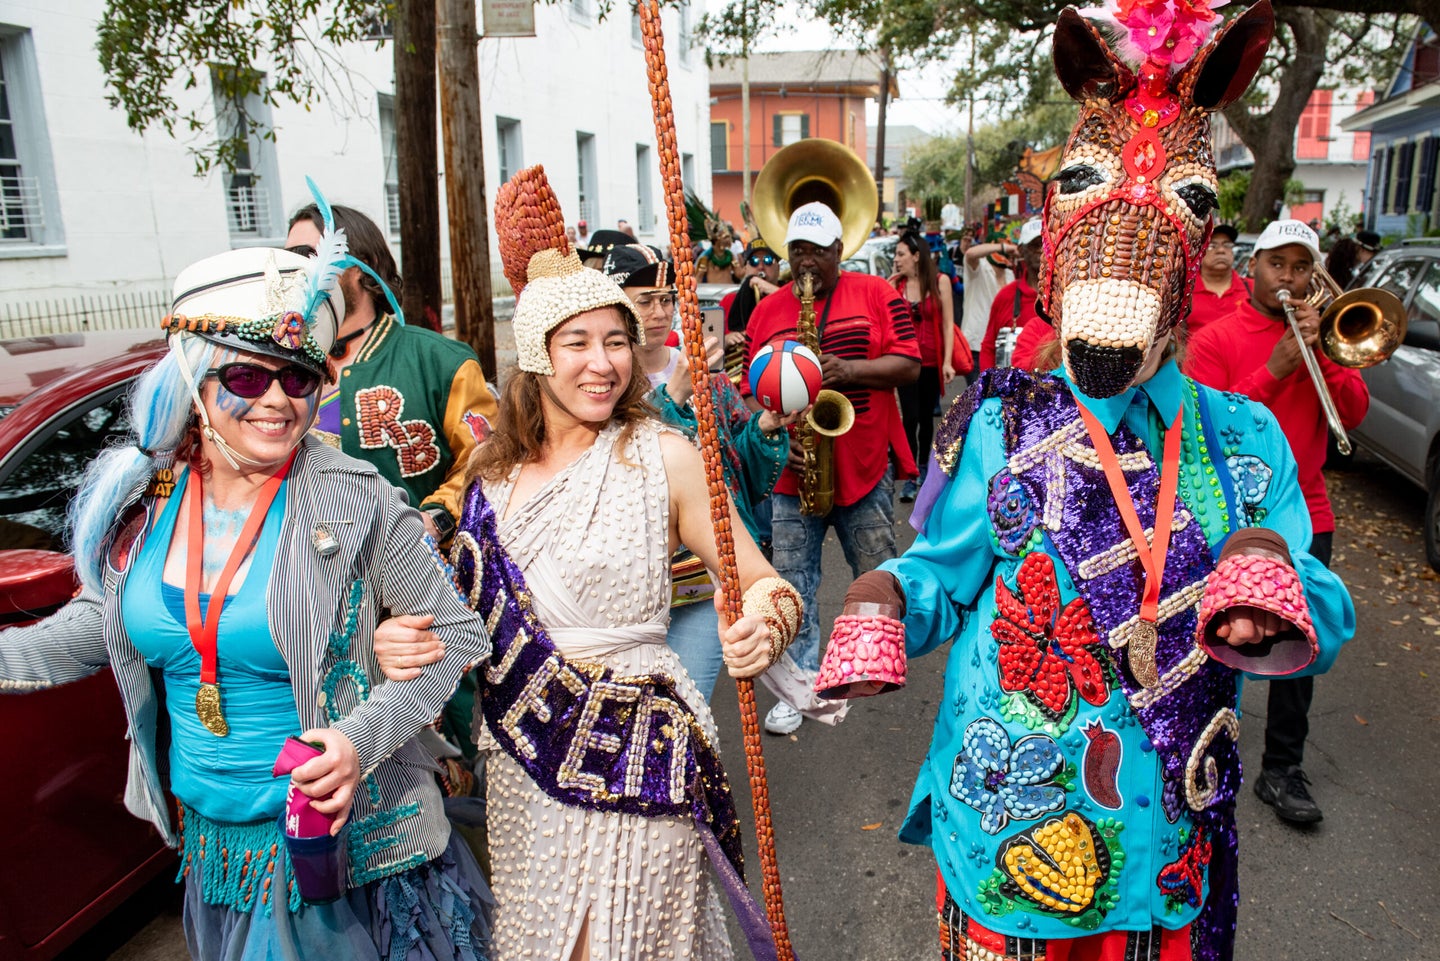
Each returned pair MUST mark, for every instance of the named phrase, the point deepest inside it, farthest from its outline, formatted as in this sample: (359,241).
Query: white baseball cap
(1284,232)
(1029,231)
(814,223)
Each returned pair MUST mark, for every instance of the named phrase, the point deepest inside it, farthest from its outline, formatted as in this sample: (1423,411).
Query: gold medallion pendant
(1142,653)
(207,706)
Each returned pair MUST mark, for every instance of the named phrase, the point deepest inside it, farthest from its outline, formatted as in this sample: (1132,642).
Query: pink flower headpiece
(1166,32)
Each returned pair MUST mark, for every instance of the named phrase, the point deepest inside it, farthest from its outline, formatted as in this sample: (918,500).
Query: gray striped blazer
(382,547)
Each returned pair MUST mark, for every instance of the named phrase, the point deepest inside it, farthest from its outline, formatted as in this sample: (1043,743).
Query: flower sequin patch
(1182,881)
(1013,520)
(1047,654)
(1252,480)
(1002,780)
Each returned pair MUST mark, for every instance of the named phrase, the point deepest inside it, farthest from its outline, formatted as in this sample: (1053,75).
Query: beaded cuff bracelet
(866,654)
(1266,584)
(773,599)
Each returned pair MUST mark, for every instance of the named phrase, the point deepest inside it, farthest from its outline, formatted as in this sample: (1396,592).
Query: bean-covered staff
(694,347)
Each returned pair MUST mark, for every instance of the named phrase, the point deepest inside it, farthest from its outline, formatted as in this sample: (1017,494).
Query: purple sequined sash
(590,737)
(1190,716)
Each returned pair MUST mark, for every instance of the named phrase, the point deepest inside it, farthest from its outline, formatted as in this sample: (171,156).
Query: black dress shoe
(1285,790)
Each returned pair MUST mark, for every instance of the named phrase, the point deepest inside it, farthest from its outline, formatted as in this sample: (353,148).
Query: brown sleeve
(876,587)
(1248,539)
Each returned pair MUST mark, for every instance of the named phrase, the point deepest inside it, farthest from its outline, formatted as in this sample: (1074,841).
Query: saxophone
(830,416)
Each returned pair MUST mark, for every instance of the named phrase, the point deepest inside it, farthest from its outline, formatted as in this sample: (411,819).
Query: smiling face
(592,357)
(263,430)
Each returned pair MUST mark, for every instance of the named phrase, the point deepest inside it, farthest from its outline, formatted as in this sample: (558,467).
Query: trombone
(1358,329)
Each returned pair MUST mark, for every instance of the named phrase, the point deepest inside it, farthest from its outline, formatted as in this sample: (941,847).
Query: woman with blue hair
(232,568)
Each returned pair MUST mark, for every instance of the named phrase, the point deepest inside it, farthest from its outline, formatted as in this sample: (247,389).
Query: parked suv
(1402,427)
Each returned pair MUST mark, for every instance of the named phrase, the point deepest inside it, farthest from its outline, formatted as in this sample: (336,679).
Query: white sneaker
(783,719)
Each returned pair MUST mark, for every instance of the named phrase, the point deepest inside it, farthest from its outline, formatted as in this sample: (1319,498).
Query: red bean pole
(704,407)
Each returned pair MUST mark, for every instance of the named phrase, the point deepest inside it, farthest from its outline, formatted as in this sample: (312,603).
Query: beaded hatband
(780,605)
(866,653)
(1270,585)
(258,329)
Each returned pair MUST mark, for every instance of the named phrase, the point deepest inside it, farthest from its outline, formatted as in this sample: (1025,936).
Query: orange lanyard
(1152,555)
(204,634)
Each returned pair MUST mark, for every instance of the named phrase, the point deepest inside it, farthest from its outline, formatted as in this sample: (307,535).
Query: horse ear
(1084,62)
(1221,73)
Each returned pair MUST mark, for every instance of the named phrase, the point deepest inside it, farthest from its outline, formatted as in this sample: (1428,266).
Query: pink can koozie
(319,861)
(866,654)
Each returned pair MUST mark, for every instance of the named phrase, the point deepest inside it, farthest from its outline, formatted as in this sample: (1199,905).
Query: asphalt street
(1361,885)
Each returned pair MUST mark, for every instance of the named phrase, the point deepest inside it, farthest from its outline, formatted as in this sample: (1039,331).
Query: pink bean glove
(1269,585)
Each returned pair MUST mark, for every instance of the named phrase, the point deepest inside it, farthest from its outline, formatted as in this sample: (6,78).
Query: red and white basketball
(785,378)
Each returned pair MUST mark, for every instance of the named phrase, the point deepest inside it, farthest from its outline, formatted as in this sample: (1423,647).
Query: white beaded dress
(593,545)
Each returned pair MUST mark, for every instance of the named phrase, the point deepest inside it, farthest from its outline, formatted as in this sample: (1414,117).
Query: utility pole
(745,109)
(415,143)
(463,133)
(970,134)
(880,129)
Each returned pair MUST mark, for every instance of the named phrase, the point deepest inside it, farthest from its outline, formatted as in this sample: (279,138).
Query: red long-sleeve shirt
(1231,353)
(1002,314)
(1206,308)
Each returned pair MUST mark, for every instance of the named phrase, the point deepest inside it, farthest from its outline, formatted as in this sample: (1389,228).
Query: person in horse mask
(1104,551)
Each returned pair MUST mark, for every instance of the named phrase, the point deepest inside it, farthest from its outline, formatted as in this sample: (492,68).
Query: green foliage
(276,50)
(1294,192)
(1233,187)
(1341,217)
(936,168)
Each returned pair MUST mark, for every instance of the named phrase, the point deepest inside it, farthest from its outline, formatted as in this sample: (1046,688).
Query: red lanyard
(1152,555)
(204,634)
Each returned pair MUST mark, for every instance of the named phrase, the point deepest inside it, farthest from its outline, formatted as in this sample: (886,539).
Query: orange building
(794,95)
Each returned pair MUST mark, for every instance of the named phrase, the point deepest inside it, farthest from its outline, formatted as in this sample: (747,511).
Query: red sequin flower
(1045,652)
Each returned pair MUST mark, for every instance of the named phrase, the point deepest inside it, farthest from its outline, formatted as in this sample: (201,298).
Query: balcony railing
(20,209)
(247,210)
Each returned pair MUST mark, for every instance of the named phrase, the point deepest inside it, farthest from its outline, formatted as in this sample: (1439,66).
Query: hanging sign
(507,18)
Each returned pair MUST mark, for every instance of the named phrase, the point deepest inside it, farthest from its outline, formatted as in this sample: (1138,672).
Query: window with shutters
(1386,184)
(1314,140)
(1404,171)
(1374,199)
(507,143)
(790,128)
(29,212)
(587,178)
(391,155)
(242,114)
(644,191)
(1361,149)
(719,146)
(1425,177)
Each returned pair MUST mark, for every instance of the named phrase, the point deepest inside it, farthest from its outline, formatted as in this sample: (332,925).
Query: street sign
(508,18)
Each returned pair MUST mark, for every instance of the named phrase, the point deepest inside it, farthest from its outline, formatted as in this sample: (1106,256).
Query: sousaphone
(810,170)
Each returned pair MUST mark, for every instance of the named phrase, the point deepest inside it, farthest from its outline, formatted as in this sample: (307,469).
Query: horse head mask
(1127,217)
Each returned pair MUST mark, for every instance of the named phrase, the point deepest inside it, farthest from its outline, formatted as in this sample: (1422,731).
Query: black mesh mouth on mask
(1102,371)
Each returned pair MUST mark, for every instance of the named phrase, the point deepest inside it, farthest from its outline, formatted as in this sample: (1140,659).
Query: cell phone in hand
(712,324)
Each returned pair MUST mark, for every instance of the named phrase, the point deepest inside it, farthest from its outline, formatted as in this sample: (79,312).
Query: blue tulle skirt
(440,911)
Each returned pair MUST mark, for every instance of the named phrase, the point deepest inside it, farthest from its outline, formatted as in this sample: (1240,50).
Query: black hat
(601,241)
(1368,239)
(638,265)
(1225,230)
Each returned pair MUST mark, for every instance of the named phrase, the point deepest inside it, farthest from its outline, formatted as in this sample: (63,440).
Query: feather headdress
(550,284)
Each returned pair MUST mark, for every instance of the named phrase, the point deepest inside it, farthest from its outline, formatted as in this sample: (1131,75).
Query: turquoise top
(225,778)
(996,768)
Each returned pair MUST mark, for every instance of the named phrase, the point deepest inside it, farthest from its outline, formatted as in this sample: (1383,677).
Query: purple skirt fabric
(440,911)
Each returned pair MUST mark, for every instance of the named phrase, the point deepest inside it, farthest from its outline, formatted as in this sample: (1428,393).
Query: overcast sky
(922,92)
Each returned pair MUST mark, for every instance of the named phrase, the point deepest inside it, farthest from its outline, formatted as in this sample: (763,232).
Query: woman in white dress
(586,495)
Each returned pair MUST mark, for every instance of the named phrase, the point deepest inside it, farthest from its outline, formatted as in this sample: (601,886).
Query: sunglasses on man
(253,380)
(762,260)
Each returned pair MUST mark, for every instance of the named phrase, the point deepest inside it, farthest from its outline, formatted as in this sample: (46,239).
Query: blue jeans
(867,535)
(695,638)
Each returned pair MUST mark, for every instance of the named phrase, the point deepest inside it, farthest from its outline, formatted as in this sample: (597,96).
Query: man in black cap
(1369,243)
(1221,289)
(601,243)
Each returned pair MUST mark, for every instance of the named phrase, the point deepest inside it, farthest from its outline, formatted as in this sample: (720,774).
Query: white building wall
(134,213)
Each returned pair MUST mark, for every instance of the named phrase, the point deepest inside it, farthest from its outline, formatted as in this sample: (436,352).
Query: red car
(71,851)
